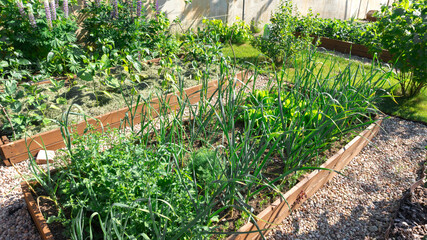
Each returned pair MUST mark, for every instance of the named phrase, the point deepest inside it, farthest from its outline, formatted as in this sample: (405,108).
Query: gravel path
(360,206)
(15,220)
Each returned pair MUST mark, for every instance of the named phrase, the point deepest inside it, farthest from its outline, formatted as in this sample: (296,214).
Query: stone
(45,155)
(373,228)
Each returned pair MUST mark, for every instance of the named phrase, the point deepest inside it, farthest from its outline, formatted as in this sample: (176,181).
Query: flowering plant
(127,26)
(39,30)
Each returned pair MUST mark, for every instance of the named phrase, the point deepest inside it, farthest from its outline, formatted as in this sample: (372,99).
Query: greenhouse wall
(192,13)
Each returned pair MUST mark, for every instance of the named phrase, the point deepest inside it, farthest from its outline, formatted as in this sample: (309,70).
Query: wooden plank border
(352,48)
(35,213)
(16,151)
(349,48)
(274,214)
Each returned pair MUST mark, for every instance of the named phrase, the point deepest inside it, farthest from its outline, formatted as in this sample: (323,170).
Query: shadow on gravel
(363,221)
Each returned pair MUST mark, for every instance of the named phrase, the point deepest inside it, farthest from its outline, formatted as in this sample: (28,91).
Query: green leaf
(4,64)
(53,106)
(86,75)
(107,93)
(46,121)
(24,62)
(61,101)
(50,56)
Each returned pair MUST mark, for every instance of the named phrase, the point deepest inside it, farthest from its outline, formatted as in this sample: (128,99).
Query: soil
(48,209)
(410,220)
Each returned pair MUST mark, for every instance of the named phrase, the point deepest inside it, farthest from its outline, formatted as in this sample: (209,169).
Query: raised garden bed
(16,151)
(238,151)
(273,214)
(352,48)
(306,188)
(349,48)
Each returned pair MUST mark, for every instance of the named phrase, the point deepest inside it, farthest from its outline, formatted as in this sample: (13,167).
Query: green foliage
(17,115)
(141,183)
(261,107)
(141,186)
(52,49)
(205,48)
(403,30)
(279,40)
(128,31)
(238,32)
(346,30)
(205,166)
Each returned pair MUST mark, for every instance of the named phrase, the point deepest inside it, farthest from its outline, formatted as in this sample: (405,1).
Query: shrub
(279,41)
(403,31)
(138,185)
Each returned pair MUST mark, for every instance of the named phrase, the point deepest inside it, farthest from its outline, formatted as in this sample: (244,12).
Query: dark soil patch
(410,220)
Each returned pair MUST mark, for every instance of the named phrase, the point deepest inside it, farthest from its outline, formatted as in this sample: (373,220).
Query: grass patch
(245,53)
(414,108)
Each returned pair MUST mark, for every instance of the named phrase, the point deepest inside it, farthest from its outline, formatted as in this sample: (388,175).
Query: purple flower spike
(65,8)
(157,7)
(20,8)
(138,8)
(98,2)
(31,18)
(53,9)
(47,11)
(56,4)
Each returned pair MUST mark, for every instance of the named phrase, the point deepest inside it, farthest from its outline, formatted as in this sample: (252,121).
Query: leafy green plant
(205,48)
(237,32)
(403,31)
(11,108)
(205,166)
(13,65)
(98,71)
(262,107)
(279,40)
(168,71)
